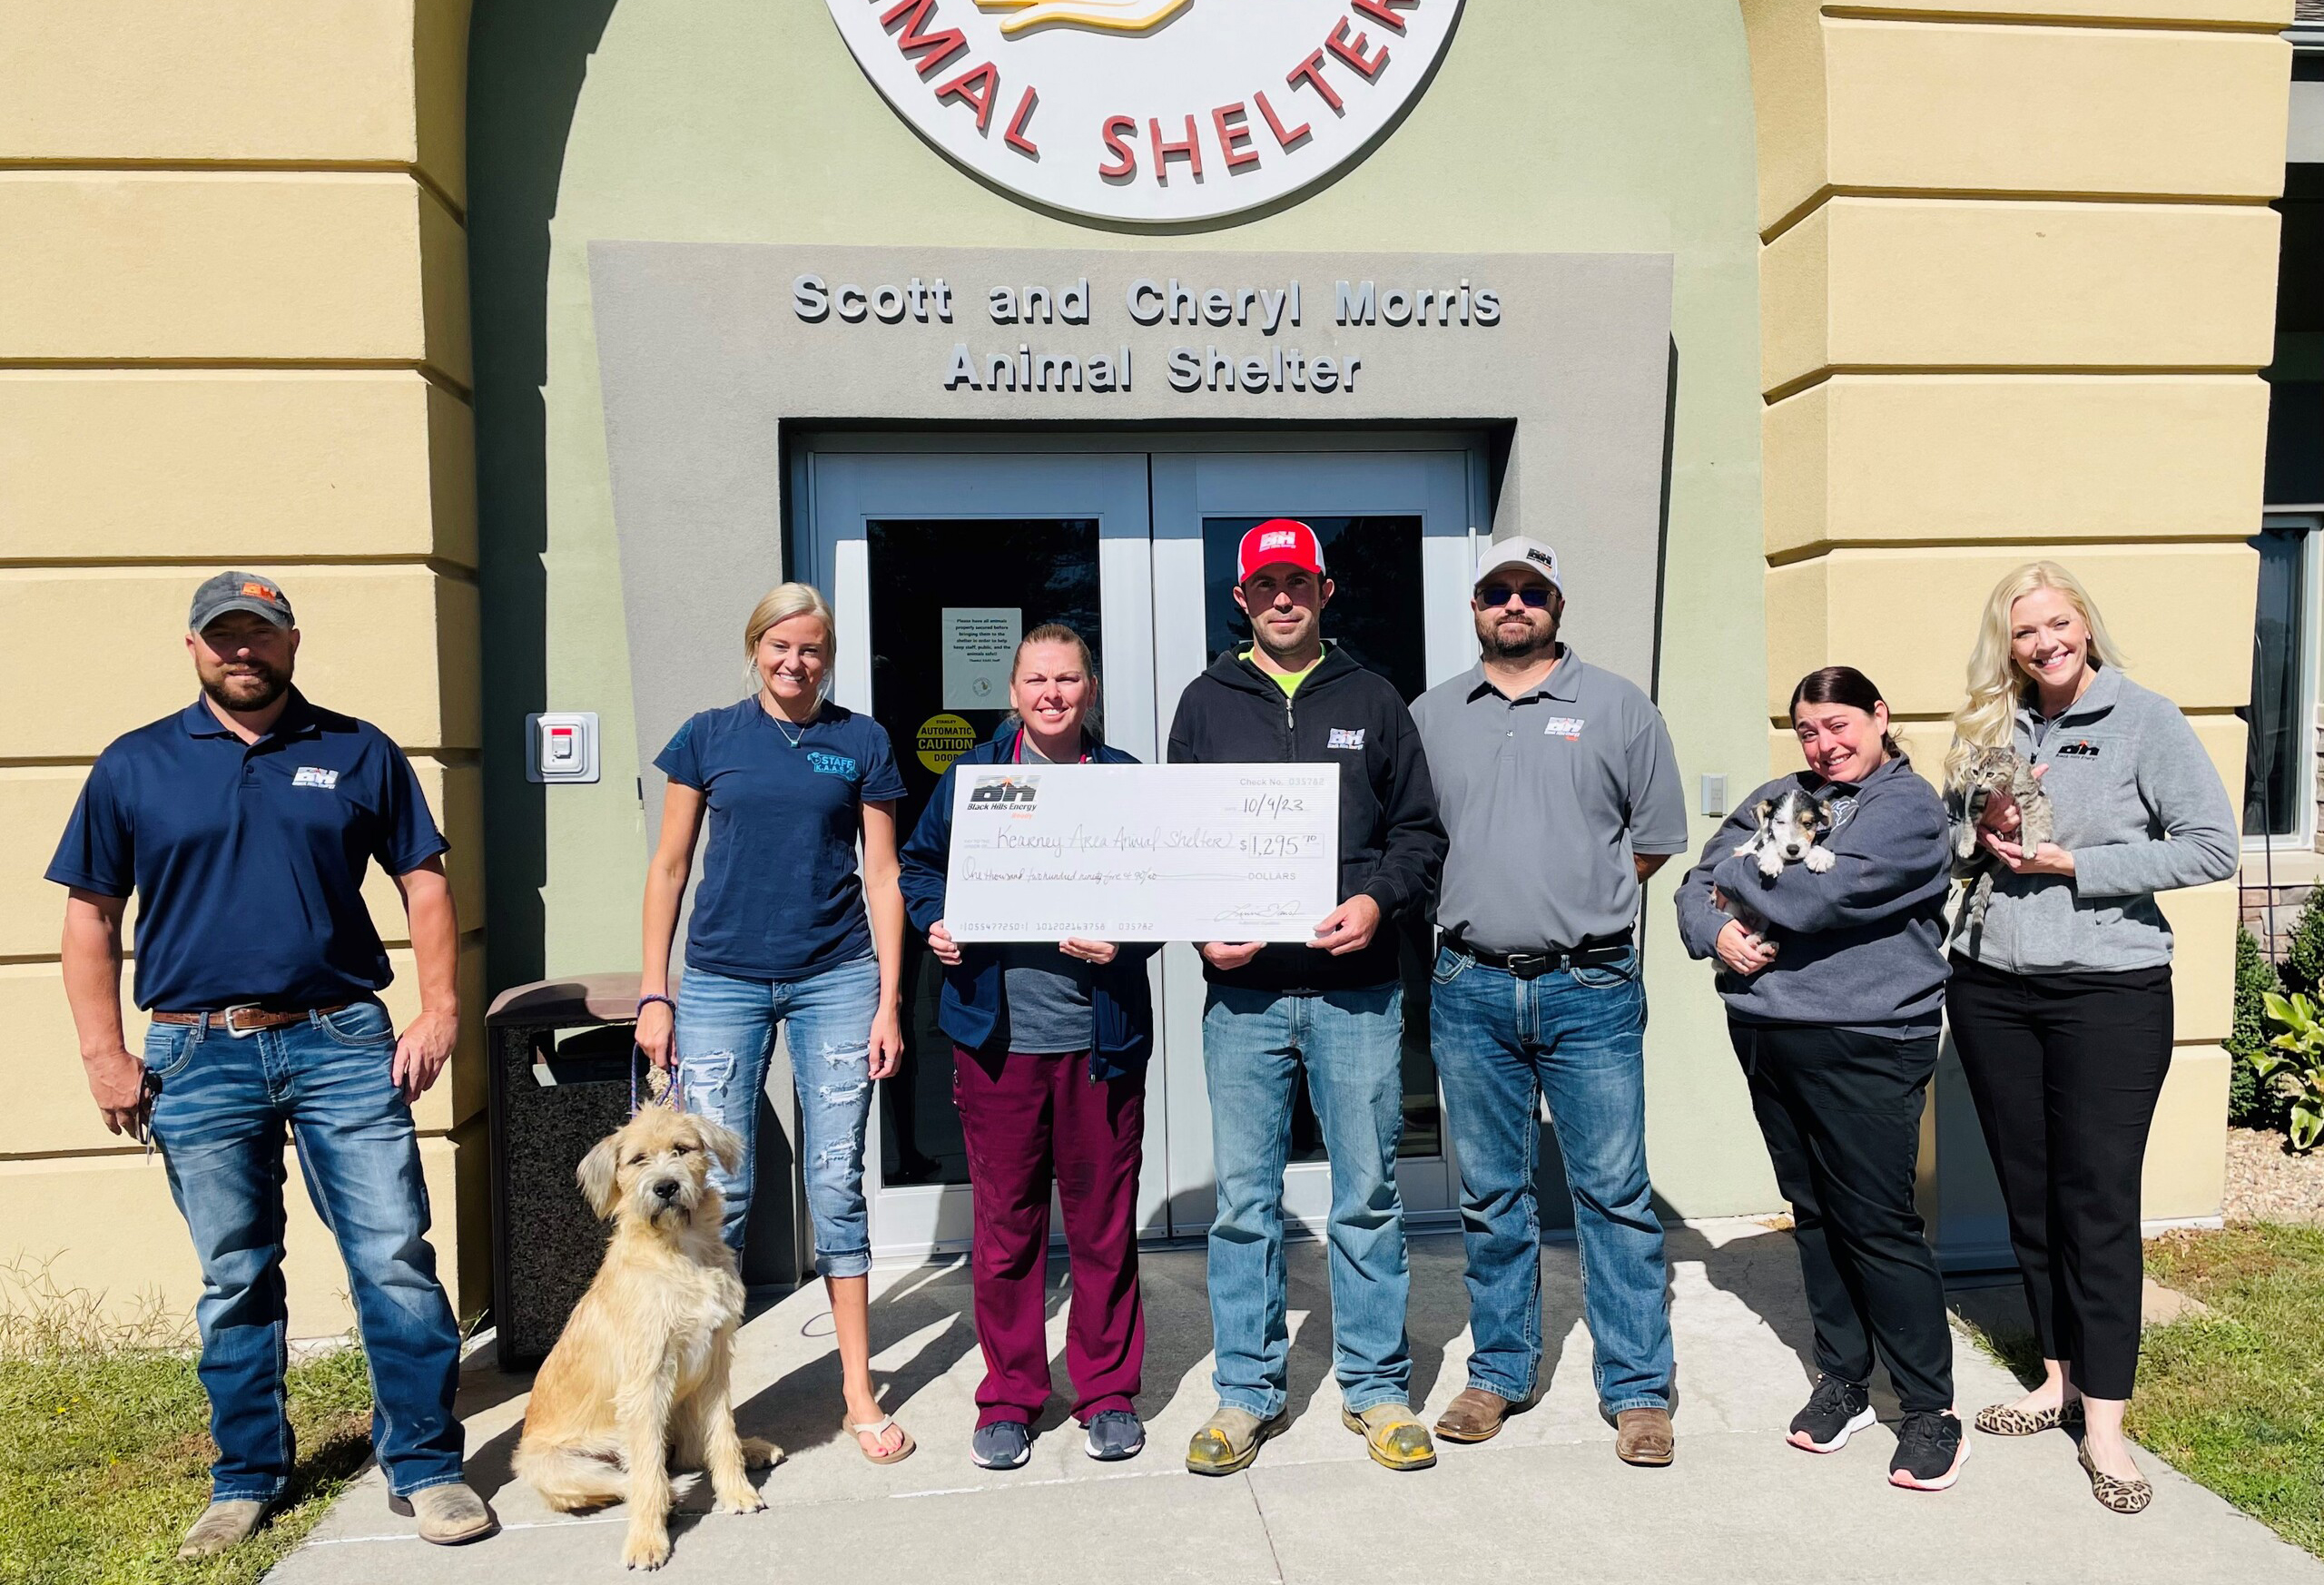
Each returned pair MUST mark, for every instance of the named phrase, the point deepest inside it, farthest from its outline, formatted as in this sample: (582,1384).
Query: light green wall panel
(1620,125)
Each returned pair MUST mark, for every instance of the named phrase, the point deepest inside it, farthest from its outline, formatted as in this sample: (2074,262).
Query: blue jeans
(1254,1044)
(1500,1044)
(725,1035)
(225,1102)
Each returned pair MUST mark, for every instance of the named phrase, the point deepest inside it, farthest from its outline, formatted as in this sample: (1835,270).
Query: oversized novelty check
(1143,852)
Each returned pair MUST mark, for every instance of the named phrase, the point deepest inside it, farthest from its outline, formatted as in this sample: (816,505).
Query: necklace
(793,738)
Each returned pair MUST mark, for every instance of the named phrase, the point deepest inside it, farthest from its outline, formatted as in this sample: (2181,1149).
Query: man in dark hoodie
(1334,1006)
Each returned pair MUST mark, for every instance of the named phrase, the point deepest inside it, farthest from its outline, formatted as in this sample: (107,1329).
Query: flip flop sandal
(880,1428)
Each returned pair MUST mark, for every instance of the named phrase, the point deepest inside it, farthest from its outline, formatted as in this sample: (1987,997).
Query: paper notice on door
(980,641)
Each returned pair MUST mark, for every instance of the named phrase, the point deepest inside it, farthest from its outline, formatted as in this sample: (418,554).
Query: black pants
(1841,1112)
(2065,1069)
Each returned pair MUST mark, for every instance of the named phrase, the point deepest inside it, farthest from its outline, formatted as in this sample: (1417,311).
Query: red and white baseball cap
(1279,539)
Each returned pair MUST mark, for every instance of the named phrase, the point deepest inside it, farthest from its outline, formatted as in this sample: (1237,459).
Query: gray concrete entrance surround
(705,353)
(1545,1501)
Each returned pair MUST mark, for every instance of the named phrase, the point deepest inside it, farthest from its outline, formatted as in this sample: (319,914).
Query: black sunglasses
(1535,596)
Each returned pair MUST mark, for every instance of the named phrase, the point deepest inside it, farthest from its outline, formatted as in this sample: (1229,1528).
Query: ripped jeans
(725,1036)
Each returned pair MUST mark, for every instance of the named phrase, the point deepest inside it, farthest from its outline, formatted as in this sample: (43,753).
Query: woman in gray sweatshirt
(1833,972)
(2061,998)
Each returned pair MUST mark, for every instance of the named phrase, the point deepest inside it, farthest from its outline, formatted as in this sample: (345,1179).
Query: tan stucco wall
(234,330)
(2019,278)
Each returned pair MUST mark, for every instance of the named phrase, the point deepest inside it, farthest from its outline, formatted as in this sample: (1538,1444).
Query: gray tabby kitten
(1992,770)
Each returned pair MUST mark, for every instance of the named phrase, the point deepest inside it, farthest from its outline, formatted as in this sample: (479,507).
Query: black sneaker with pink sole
(1930,1451)
(1835,1410)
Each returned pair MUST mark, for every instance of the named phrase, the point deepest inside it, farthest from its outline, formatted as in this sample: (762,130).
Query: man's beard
(273,684)
(1536,641)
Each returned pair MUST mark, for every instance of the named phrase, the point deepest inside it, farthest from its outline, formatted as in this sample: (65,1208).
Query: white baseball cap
(1519,550)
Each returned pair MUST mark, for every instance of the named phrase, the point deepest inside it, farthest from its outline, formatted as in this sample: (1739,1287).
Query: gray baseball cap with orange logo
(238,591)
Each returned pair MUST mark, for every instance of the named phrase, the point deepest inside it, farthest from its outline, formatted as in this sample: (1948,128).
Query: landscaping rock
(2268,1183)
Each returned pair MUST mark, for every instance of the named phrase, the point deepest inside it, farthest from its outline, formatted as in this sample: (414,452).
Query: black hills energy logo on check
(1150,110)
(1002,794)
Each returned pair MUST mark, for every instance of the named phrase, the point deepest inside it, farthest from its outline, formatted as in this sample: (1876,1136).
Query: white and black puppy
(1790,831)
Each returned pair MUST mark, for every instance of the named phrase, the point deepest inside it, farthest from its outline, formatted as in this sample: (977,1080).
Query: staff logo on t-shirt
(828,764)
(1568,727)
(314,776)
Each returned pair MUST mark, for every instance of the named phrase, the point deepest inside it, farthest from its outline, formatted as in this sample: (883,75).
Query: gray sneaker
(1115,1435)
(1005,1445)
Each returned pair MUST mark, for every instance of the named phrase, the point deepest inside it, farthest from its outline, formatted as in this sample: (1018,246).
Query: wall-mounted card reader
(1714,795)
(564,745)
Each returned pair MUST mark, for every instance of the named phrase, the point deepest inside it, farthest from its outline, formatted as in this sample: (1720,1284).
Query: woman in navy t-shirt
(784,928)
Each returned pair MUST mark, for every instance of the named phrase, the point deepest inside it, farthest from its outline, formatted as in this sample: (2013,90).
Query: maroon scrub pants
(1029,1119)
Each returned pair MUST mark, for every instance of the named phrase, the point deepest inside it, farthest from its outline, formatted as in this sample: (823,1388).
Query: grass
(2234,1399)
(104,1445)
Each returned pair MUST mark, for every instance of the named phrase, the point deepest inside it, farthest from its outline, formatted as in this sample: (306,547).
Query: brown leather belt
(243,1020)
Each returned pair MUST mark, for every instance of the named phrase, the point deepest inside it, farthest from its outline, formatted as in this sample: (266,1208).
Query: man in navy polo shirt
(244,824)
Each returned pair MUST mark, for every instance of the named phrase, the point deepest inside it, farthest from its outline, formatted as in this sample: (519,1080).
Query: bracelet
(664,1000)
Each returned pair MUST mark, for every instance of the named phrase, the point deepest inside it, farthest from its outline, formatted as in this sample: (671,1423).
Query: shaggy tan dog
(637,1380)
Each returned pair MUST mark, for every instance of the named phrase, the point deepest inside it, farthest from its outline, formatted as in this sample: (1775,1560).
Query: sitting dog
(1988,771)
(638,1379)
(1789,827)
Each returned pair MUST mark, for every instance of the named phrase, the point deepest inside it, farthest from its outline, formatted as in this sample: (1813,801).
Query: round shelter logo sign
(1150,110)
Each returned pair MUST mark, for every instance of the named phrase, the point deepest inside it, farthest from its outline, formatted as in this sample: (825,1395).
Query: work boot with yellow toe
(1230,1439)
(223,1524)
(1394,1437)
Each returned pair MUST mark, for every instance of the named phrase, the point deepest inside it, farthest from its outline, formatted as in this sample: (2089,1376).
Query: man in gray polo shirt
(1560,794)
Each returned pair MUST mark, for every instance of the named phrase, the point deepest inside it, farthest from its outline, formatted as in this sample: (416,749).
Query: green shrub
(2303,964)
(2250,1102)
(2293,1063)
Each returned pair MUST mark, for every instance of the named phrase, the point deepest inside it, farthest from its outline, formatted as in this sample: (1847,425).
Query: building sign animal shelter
(1150,110)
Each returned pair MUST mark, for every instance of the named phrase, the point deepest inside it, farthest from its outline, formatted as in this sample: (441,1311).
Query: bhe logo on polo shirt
(314,776)
(1004,793)
(1568,727)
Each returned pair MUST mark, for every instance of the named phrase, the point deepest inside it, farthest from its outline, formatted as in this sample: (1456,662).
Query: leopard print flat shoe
(2001,1420)
(2121,1496)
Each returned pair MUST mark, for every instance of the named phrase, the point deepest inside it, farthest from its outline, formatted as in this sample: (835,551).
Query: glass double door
(939,561)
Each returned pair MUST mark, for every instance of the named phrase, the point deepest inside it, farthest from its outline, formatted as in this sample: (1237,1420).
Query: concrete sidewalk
(1545,1500)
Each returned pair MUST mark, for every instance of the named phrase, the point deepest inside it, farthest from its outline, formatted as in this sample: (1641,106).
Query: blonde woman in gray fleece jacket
(2060,1002)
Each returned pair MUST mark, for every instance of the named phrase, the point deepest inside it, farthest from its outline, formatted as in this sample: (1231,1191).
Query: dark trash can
(563,1057)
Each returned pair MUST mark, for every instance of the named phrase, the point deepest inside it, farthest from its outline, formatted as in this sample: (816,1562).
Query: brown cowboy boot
(1475,1415)
(1642,1436)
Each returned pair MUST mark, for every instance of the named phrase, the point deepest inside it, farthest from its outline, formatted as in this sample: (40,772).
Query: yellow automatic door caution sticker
(943,739)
